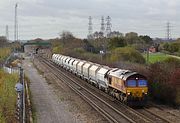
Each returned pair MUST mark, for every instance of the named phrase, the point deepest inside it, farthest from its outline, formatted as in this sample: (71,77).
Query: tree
(172,47)
(116,34)
(66,35)
(146,39)
(131,38)
(3,40)
(88,46)
(166,46)
(117,42)
(178,40)
(96,34)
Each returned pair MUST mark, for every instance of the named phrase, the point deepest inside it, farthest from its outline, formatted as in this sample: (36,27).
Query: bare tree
(3,41)
(66,35)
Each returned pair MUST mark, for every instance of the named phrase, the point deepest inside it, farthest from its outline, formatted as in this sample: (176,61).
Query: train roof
(123,74)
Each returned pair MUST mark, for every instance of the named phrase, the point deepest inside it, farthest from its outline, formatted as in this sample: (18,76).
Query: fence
(11,70)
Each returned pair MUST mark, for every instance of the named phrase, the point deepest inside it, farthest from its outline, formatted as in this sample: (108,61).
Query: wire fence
(21,89)
(21,100)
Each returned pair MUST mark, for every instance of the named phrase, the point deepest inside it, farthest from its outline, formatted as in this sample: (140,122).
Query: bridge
(38,48)
(38,43)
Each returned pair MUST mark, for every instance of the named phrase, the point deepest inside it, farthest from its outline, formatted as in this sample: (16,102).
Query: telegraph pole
(15,24)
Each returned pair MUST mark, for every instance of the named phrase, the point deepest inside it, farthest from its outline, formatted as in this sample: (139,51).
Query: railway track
(152,115)
(105,109)
(111,109)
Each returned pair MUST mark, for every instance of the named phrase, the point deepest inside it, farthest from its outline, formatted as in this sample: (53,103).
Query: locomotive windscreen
(131,83)
(142,83)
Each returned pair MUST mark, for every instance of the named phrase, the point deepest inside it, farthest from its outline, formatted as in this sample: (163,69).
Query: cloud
(46,18)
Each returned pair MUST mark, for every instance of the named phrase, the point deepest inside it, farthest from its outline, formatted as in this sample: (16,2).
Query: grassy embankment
(8,94)
(156,57)
(8,97)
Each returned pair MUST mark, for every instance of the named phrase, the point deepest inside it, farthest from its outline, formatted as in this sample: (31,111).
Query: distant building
(152,49)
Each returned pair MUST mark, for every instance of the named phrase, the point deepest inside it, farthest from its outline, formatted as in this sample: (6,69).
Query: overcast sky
(47,18)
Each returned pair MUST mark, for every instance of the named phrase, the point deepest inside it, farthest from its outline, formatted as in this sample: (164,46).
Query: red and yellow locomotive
(127,86)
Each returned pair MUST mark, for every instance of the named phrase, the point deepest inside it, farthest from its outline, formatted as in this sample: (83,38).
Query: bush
(164,81)
(126,54)
(163,92)
(173,62)
(57,49)
(4,52)
(172,47)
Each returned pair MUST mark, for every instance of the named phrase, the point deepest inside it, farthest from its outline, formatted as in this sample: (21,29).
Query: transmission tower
(108,26)
(168,31)
(102,25)
(16,24)
(7,33)
(90,26)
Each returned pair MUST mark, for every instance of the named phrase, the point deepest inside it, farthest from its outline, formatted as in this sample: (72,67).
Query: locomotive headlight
(129,93)
(145,93)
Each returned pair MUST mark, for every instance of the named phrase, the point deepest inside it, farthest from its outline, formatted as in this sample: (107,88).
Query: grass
(156,57)
(8,97)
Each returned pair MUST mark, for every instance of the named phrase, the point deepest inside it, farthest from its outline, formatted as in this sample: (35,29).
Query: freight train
(127,86)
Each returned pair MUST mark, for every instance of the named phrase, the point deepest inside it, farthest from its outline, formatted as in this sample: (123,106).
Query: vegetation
(126,52)
(7,97)
(3,41)
(156,57)
(4,52)
(6,48)
(172,48)
(117,42)
(164,81)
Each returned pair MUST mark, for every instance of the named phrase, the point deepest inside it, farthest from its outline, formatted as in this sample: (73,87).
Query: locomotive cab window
(131,83)
(142,83)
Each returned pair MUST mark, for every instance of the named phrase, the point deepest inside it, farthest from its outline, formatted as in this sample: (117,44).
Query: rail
(138,117)
(110,113)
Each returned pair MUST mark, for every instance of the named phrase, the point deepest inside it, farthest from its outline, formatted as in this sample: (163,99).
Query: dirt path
(48,108)
(175,56)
